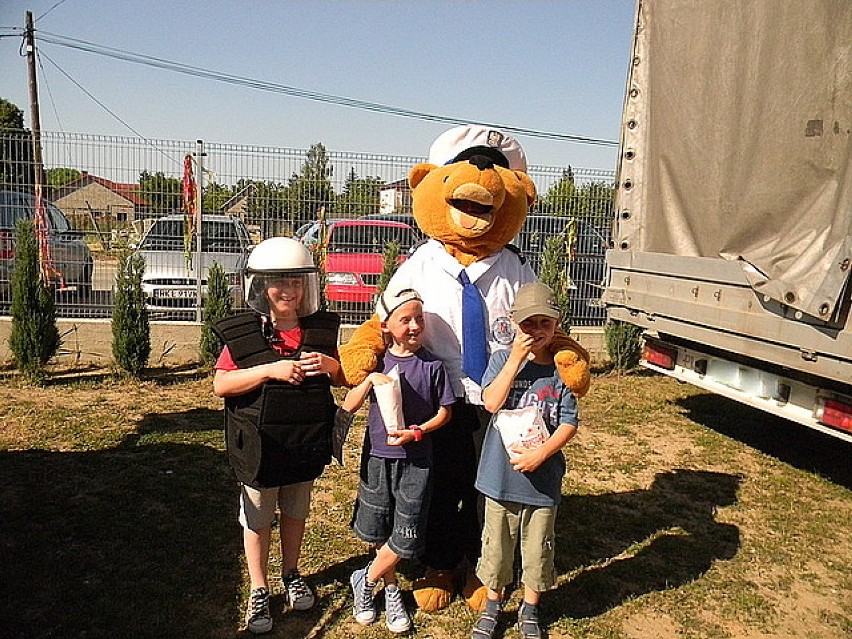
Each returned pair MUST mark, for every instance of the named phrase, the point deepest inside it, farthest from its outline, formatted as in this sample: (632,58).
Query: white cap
(457,140)
(392,298)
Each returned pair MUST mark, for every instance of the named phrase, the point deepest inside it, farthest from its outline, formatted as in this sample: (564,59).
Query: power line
(261,85)
(51,9)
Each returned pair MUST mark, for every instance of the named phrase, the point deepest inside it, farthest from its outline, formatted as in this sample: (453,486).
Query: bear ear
(528,185)
(418,172)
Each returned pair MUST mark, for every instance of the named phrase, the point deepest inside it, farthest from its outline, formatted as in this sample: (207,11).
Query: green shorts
(506,524)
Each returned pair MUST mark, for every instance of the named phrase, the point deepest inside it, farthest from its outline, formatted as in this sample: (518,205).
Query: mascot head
(473,194)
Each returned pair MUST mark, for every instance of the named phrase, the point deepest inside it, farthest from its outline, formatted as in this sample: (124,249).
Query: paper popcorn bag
(389,398)
(521,426)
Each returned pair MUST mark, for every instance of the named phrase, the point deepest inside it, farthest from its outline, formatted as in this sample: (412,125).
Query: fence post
(199,232)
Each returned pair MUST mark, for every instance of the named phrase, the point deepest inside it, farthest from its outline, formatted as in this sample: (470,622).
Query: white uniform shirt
(433,273)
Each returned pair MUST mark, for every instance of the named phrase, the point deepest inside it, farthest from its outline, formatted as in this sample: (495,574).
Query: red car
(354,258)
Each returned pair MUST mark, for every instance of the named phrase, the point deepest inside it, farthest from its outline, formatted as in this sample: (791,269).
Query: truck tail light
(835,413)
(659,355)
(7,250)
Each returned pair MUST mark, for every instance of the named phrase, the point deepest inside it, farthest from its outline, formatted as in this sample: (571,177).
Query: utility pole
(34,113)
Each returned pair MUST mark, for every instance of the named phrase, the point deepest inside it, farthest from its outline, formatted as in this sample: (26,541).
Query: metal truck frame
(733,224)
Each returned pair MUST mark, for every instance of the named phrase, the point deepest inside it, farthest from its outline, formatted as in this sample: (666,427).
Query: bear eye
(446,177)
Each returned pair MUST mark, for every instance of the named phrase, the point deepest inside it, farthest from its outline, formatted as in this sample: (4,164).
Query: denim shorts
(393,499)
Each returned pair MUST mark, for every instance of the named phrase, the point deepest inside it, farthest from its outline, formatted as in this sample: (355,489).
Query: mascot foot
(474,592)
(434,591)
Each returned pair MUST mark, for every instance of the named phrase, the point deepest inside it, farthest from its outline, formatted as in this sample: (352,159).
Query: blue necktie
(474,344)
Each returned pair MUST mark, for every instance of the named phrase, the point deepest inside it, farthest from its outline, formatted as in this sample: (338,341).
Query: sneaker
(486,625)
(258,619)
(528,624)
(362,591)
(397,616)
(297,592)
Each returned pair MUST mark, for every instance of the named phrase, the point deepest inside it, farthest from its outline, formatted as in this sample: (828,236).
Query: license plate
(176,293)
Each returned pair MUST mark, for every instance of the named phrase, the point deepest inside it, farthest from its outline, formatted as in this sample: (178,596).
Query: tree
(390,262)
(560,198)
(131,331)
(360,195)
(16,148)
(311,190)
(554,273)
(164,193)
(267,205)
(34,337)
(61,176)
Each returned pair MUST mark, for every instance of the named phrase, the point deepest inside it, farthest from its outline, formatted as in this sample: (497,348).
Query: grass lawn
(685,515)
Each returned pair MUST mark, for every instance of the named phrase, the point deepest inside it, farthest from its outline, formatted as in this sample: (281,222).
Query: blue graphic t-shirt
(535,385)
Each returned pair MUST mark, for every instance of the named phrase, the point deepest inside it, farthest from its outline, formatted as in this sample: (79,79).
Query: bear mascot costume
(470,199)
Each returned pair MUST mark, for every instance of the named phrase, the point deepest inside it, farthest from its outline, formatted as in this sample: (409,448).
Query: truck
(732,237)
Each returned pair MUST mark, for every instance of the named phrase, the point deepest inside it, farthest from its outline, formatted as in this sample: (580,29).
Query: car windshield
(368,238)
(16,206)
(217,237)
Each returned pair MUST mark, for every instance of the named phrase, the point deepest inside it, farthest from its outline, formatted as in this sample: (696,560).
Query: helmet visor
(298,287)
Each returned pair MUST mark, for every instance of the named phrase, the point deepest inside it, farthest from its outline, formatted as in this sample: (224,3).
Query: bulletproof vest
(279,433)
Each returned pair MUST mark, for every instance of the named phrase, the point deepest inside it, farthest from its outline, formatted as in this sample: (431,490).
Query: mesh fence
(109,195)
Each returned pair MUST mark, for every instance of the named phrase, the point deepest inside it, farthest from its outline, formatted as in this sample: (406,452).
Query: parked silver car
(70,255)
(170,275)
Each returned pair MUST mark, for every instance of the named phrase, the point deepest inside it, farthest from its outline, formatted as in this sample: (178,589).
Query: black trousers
(453,528)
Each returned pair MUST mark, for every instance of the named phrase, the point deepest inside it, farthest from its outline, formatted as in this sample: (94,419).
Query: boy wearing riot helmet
(275,373)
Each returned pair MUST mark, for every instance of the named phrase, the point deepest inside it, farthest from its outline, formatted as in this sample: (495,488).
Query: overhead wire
(178,67)
(105,107)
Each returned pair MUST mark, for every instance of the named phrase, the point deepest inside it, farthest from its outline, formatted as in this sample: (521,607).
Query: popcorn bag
(389,398)
(521,427)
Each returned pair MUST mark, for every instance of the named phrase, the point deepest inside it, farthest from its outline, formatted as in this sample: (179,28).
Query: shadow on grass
(789,442)
(134,541)
(626,544)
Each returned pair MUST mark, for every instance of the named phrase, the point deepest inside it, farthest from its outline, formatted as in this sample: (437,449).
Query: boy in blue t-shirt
(396,466)
(522,492)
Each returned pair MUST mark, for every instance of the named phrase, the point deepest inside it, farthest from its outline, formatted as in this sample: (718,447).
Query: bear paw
(434,591)
(475,592)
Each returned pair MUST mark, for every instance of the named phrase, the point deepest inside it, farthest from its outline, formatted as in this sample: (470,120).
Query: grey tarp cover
(738,118)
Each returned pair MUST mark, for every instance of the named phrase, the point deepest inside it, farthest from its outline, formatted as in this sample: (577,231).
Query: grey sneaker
(397,616)
(297,592)
(486,625)
(258,619)
(528,623)
(362,591)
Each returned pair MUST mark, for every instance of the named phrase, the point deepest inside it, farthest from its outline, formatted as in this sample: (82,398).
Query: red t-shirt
(284,342)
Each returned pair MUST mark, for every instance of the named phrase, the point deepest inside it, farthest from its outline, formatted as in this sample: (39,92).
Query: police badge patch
(501,331)
(495,138)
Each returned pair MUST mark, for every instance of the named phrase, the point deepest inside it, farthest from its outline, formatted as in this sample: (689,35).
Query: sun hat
(392,298)
(534,299)
(463,142)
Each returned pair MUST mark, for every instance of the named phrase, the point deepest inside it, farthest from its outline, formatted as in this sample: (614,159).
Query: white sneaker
(364,609)
(397,616)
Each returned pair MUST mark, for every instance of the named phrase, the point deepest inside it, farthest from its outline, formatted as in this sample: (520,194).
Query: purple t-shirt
(425,388)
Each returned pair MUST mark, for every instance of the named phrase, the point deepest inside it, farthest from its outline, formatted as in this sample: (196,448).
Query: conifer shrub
(554,274)
(131,330)
(34,337)
(217,306)
(390,262)
(623,345)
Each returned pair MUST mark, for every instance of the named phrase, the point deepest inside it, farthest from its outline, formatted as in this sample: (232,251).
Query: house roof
(128,191)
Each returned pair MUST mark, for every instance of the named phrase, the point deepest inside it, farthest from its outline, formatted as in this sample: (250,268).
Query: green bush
(217,306)
(623,344)
(131,331)
(34,337)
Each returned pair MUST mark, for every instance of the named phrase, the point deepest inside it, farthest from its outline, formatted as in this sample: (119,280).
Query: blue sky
(556,66)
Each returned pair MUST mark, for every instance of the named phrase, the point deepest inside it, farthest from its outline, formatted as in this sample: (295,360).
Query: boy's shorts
(392,504)
(257,505)
(505,523)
